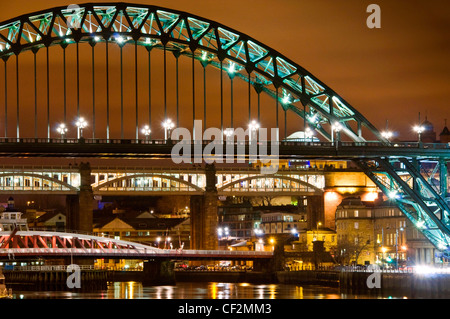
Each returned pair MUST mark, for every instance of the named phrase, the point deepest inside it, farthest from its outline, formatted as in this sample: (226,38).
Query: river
(199,290)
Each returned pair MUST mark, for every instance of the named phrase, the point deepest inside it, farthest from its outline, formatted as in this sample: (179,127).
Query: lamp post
(146,131)
(81,124)
(336,127)
(62,129)
(387,134)
(308,134)
(168,126)
(419,129)
(396,244)
(228,133)
(253,128)
(317,231)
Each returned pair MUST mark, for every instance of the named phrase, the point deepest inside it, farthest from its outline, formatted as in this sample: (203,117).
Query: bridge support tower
(80,206)
(204,220)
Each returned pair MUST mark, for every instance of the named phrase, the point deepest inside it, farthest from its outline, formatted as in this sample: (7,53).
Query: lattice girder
(156,27)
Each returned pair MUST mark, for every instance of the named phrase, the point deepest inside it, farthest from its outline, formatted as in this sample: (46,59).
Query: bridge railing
(205,142)
(51,268)
(11,252)
(75,232)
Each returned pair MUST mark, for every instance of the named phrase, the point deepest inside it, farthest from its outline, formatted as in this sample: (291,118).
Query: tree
(349,249)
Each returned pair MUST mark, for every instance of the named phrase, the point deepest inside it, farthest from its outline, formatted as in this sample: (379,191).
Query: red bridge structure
(84,248)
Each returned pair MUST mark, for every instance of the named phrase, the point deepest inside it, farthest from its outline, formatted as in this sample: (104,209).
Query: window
(356,213)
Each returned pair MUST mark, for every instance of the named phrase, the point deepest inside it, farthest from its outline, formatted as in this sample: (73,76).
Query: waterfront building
(378,232)
(164,233)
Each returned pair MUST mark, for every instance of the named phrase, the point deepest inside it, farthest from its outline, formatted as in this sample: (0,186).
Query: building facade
(379,233)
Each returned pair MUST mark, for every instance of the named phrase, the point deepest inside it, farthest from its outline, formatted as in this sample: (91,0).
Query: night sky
(392,73)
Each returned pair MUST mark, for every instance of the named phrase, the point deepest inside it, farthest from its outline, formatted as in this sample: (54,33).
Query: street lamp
(81,124)
(272,242)
(146,131)
(308,134)
(228,132)
(419,129)
(336,127)
(253,127)
(158,240)
(62,129)
(387,134)
(317,231)
(168,126)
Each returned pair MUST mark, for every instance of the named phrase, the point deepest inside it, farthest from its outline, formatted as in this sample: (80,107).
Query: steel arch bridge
(414,176)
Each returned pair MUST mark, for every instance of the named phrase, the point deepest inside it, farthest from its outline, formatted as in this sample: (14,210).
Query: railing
(133,252)
(205,142)
(52,268)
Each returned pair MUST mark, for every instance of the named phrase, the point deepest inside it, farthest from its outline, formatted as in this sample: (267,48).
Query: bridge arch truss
(206,44)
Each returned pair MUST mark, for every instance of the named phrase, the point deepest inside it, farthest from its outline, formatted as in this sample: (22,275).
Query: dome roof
(427,125)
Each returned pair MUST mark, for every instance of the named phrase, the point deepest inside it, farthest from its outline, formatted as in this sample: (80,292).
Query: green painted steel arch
(186,34)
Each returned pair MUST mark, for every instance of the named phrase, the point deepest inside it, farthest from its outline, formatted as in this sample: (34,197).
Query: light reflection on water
(196,290)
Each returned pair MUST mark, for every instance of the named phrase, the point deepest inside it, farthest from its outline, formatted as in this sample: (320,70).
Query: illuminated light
(204,56)
(146,130)
(253,126)
(294,231)
(286,99)
(120,39)
(383,249)
(371,196)
(337,127)
(420,224)
(97,38)
(331,196)
(1,47)
(232,67)
(228,132)
(387,134)
(62,129)
(168,126)
(309,133)
(313,119)
(419,129)
(393,195)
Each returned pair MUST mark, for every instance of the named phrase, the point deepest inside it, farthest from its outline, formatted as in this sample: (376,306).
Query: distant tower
(444,137)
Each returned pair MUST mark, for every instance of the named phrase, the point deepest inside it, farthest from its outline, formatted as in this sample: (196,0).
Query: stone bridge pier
(204,219)
(80,207)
